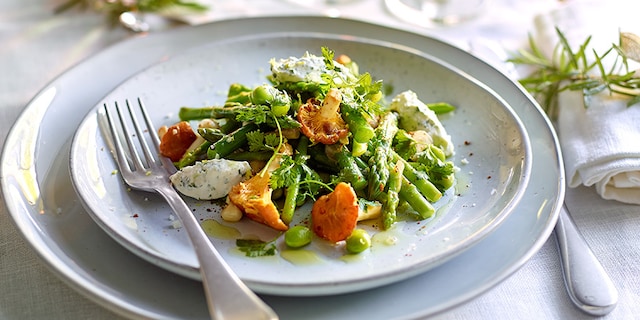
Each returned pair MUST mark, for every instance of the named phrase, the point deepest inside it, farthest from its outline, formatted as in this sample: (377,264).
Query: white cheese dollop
(415,115)
(210,179)
(308,68)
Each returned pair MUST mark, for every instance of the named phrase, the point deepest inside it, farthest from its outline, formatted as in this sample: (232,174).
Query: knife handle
(587,283)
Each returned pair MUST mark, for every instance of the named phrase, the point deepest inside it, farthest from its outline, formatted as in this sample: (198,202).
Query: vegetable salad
(319,130)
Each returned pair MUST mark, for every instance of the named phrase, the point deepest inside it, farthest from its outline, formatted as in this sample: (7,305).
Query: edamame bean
(280,109)
(262,95)
(298,236)
(358,241)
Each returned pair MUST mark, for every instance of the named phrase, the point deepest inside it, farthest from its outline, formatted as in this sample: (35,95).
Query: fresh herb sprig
(581,69)
(362,90)
(114,8)
(256,248)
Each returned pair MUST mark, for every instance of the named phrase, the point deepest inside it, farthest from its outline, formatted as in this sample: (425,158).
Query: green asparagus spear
(237,88)
(310,89)
(238,93)
(393,199)
(210,134)
(258,114)
(318,156)
(230,142)
(419,178)
(349,170)
(378,174)
(188,114)
(378,162)
(440,172)
(192,156)
(230,125)
(409,193)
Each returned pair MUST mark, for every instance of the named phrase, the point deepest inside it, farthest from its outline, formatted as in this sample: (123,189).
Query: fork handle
(227,296)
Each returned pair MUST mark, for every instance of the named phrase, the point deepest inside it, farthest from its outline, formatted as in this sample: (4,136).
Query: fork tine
(154,137)
(127,136)
(121,157)
(166,162)
(150,158)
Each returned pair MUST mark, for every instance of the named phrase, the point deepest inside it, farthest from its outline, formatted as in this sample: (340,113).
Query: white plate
(41,201)
(484,129)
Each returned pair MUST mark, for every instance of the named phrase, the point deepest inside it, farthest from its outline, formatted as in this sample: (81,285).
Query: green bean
(293,191)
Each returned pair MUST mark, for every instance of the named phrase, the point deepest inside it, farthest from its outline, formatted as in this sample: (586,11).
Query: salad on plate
(318,132)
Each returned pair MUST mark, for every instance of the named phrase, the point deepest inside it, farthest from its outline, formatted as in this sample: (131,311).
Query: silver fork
(227,296)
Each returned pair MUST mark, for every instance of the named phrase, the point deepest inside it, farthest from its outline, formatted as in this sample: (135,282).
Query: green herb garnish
(260,141)
(113,9)
(581,69)
(256,248)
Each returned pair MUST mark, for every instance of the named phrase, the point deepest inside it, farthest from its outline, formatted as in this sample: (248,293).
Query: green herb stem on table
(580,69)
(114,8)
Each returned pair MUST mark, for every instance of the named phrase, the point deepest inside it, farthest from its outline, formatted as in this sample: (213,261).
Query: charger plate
(41,201)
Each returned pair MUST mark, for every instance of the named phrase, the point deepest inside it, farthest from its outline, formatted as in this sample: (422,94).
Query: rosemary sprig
(582,69)
(113,8)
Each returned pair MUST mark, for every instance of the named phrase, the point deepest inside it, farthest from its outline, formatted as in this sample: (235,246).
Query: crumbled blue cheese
(415,115)
(308,68)
(210,179)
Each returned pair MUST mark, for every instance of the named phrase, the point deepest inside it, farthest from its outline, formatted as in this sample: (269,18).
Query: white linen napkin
(600,143)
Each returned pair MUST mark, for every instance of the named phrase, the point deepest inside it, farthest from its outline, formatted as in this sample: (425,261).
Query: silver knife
(588,284)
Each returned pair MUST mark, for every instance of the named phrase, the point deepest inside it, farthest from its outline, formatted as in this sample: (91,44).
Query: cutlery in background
(588,284)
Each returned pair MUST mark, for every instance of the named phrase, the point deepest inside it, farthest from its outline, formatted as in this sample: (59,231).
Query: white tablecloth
(36,46)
